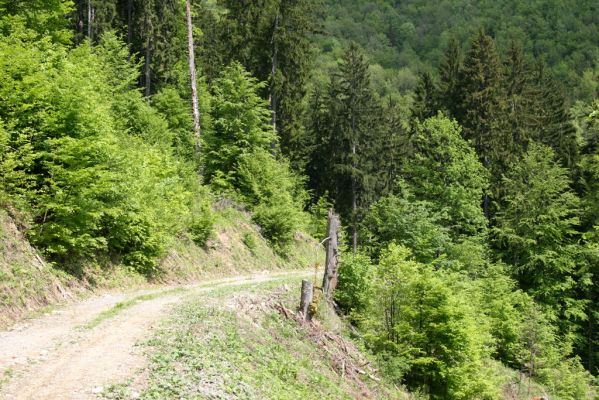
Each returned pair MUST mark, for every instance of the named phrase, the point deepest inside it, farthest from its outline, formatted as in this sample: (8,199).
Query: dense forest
(458,140)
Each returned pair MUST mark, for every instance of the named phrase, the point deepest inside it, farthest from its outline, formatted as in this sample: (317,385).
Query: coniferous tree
(247,32)
(518,98)
(154,30)
(93,18)
(514,122)
(555,128)
(536,229)
(426,97)
(450,77)
(271,39)
(291,65)
(349,139)
(480,87)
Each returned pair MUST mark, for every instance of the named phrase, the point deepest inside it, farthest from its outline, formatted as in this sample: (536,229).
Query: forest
(458,141)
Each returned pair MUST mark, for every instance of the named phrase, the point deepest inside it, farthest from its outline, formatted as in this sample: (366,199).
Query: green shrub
(203,218)
(422,320)
(88,157)
(408,222)
(275,194)
(249,240)
(354,284)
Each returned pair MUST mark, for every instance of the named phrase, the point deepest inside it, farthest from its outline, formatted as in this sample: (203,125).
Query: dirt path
(57,357)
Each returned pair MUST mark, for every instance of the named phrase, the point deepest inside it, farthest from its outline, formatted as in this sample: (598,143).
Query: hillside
(27,283)
(30,285)
(409,36)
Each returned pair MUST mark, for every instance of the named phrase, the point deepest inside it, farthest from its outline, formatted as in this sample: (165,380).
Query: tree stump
(306,299)
(329,281)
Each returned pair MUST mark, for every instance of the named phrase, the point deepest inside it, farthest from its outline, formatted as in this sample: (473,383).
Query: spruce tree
(426,97)
(450,72)
(535,229)
(480,87)
(272,40)
(515,122)
(517,91)
(554,123)
(291,63)
(349,140)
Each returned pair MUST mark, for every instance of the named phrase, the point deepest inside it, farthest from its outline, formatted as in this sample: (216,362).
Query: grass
(227,345)
(6,376)
(237,247)
(122,306)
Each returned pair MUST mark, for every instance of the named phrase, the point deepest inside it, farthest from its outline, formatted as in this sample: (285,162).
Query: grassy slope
(26,281)
(28,284)
(236,247)
(244,343)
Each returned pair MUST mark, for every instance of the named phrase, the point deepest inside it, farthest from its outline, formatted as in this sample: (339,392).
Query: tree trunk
(273,72)
(148,57)
(129,22)
(354,202)
(147,70)
(192,76)
(329,281)
(90,20)
(306,299)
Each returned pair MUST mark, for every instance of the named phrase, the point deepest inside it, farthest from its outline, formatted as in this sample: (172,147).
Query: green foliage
(90,159)
(480,84)
(546,356)
(409,34)
(241,121)
(175,111)
(535,229)
(40,18)
(350,131)
(408,222)
(353,287)
(275,193)
(445,171)
(433,338)
(239,161)
(203,218)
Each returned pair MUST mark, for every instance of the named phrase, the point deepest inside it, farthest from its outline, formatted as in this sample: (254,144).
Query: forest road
(73,352)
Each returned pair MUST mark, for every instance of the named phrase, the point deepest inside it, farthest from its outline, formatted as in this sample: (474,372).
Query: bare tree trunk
(148,55)
(306,299)
(90,20)
(273,72)
(192,76)
(329,281)
(147,69)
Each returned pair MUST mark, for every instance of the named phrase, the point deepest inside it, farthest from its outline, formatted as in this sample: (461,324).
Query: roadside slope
(248,343)
(28,284)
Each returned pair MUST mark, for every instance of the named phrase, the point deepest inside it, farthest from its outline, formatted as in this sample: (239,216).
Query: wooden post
(329,281)
(306,299)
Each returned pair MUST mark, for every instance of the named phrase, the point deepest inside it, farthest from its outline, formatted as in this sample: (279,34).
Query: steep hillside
(411,35)
(26,281)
